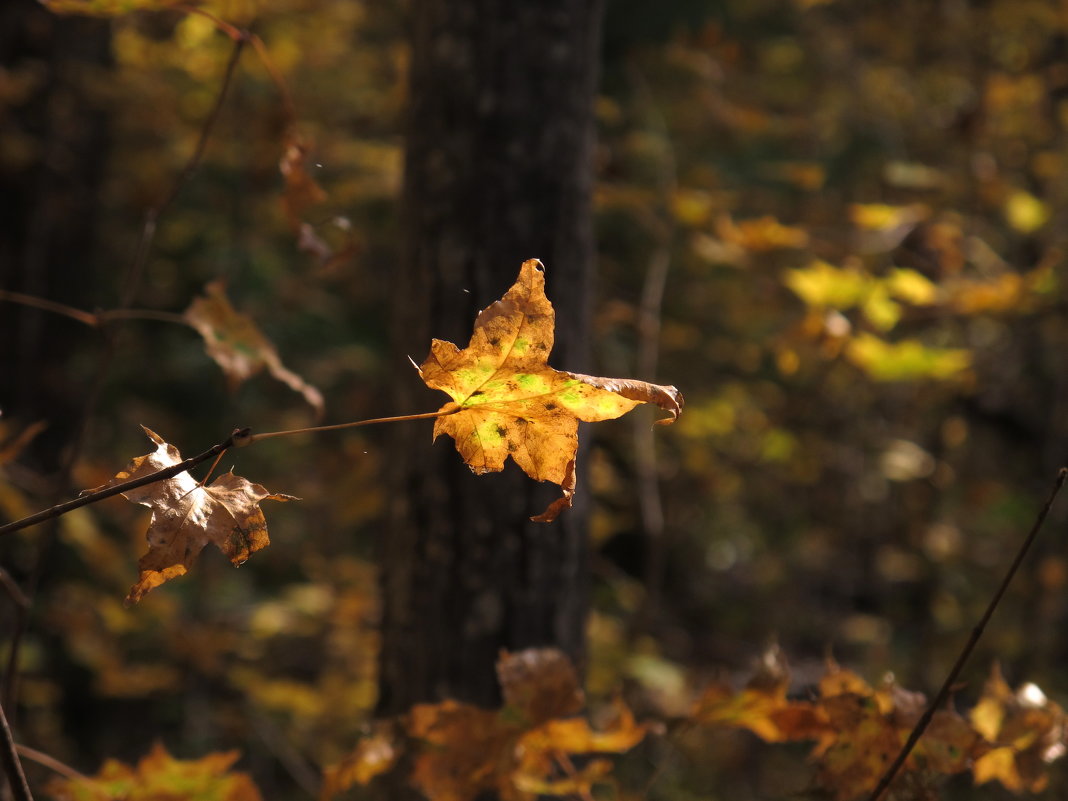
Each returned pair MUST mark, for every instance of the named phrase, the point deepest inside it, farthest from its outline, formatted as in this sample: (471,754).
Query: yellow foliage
(908,360)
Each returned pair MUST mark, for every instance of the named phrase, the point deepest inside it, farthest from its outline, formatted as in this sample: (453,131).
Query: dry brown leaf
(459,752)
(238,346)
(539,684)
(301,191)
(1027,732)
(374,755)
(187,516)
(465,751)
(507,401)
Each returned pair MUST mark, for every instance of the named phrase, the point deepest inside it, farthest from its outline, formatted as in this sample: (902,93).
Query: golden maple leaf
(186,516)
(507,400)
(158,776)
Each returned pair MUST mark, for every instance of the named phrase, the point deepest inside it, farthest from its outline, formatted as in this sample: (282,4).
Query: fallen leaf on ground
(507,400)
(187,516)
(374,755)
(460,752)
(539,684)
(1026,729)
(160,777)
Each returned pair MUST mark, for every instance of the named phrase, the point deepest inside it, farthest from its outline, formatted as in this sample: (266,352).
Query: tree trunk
(498,170)
(52,145)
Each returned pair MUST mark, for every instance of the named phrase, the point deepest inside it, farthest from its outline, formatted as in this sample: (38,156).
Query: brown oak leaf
(507,400)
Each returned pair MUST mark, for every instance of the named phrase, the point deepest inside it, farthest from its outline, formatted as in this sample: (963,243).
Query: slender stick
(52,306)
(132,281)
(99,495)
(91,319)
(130,286)
(374,421)
(14,592)
(230,30)
(141,314)
(9,757)
(977,632)
(238,439)
(41,758)
(276,77)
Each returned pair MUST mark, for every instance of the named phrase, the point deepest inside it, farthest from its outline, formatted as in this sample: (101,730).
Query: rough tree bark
(498,169)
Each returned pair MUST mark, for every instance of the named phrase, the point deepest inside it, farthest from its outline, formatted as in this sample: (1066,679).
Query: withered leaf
(763,707)
(238,346)
(1027,732)
(858,730)
(507,400)
(161,777)
(464,750)
(539,684)
(375,754)
(187,516)
(301,191)
(459,752)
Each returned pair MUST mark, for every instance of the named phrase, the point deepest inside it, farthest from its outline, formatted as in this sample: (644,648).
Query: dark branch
(99,495)
(16,779)
(977,632)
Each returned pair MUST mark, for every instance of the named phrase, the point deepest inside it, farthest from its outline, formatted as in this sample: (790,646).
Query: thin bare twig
(357,424)
(44,304)
(48,761)
(9,758)
(130,286)
(99,495)
(238,439)
(977,632)
(14,592)
(132,281)
(91,319)
(141,314)
(650,311)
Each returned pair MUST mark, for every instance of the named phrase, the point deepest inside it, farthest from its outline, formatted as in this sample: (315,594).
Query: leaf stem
(977,632)
(238,439)
(101,494)
(444,412)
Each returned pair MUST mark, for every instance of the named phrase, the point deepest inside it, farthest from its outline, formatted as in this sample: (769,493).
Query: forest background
(839,223)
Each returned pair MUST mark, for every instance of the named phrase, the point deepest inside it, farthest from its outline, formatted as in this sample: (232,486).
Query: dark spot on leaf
(502,431)
(550,406)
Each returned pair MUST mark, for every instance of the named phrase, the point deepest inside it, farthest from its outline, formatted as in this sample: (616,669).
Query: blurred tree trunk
(53,137)
(498,169)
